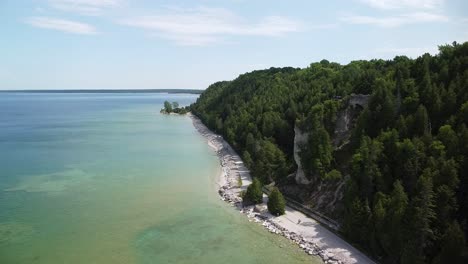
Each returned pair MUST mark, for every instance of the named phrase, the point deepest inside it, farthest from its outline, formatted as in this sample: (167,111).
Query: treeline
(406,192)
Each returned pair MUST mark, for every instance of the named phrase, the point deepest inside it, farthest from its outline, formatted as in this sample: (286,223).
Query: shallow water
(105,178)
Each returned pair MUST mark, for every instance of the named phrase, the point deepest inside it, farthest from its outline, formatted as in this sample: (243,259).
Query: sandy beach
(307,233)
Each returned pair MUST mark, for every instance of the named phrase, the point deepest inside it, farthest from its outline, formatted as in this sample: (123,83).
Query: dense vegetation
(173,108)
(406,192)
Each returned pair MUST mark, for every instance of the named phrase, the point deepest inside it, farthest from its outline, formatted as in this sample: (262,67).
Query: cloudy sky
(125,44)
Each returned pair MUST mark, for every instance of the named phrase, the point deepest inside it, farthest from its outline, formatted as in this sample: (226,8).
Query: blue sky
(125,44)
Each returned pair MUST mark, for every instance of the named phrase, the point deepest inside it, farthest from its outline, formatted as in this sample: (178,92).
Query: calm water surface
(105,178)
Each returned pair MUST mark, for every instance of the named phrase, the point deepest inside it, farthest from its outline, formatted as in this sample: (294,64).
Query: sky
(136,44)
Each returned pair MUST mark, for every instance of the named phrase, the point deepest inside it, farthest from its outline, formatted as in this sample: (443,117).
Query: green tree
(250,143)
(317,156)
(382,108)
(419,232)
(378,218)
(276,203)
(254,192)
(449,139)
(357,221)
(247,159)
(421,121)
(453,246)
(409,165)
(272,165)
(364,168)
(333,175)
(392,236)
(464,113)
(167,107)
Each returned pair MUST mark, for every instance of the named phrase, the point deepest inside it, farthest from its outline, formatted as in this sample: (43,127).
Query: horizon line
(181,90)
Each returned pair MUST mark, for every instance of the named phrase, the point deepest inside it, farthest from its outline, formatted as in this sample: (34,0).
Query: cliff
(325,196)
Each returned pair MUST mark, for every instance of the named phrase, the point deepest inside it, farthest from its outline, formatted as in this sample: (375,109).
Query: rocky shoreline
(235,178)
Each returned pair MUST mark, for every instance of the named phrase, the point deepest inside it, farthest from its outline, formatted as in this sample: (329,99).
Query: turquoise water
(105,178)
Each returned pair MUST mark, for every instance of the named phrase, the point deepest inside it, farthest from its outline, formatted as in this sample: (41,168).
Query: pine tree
(276,203)
(421,121)
(449,139)
(419,233)
(453,246)
(167,107)
(364,166)
(392,239)
(254,192)
(247,159)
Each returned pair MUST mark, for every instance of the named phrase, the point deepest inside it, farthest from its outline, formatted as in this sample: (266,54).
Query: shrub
(254,193)
(276,202)
(333,175)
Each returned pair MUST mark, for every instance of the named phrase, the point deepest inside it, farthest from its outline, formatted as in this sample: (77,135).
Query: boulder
(260,208)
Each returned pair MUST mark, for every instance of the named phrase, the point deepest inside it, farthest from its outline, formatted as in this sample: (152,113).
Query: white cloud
(396,20)
(201,26)
(84,7)
(399,4)
(62,25)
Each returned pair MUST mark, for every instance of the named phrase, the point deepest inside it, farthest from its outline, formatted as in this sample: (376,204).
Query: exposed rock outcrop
(359,99)
(300,139)
(325,196)
(346,118)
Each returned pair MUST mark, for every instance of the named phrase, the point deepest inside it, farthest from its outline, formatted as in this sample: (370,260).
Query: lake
(106,178)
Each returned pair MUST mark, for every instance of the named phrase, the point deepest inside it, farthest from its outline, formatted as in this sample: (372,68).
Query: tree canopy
(174,108)
(405,166)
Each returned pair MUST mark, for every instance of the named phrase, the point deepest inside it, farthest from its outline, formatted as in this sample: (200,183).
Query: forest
(405,194)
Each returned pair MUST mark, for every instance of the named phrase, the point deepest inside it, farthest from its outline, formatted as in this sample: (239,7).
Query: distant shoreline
(170,91)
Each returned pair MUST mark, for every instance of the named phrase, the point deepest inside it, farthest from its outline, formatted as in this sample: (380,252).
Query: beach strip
(310,235)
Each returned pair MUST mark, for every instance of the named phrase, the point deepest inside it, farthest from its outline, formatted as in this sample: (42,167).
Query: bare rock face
(359,99)
(299,140)
(343,126)
(323,196)
(346,118)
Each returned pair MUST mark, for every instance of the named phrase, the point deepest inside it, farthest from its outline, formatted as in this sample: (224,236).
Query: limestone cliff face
(346,118)
(359,99)
(344,124)
(343,121)
(323,196)
(300,139)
